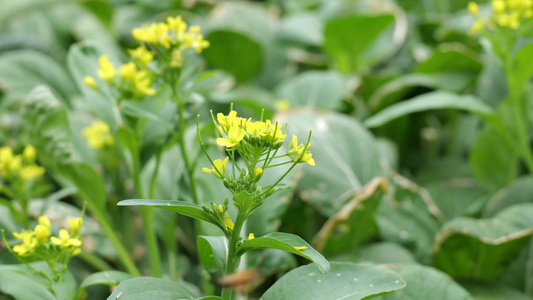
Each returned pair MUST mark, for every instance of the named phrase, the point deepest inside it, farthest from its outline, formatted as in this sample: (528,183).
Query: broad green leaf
(453,67)
(88,182)
(519,191)
(21,287)
(213,253)
(410,218)
(10,9)
(378,253)
(142,288)
(519,273)
(353,42)
(48,125)
(455,198)
(343,281)
(494,291)
(286,242)
(110,277)
(345,153)
(355,223)
(305,29)
(426,283)
(182,207)
(494,162)
(521,70)
(143,110)
(481,249)
(23,70)
(430,101)
(320,89)
(234,53)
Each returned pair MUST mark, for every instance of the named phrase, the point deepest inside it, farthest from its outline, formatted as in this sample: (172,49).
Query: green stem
(522,134)
(95,261)
(147,214)
(231,261)
(123,255)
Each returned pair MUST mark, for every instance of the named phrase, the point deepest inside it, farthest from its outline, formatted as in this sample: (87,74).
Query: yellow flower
(229,222)
(107,70)
(98,135)
(142,83)
(128,70)
(235,135)
(15,164)
(282,105)
(142,55)
(498,6)
(43,220)
(41,232)
(296,152)
(220,207)
(90,82)
(64,240)
(219,169)
(75,224)
(258,172)
(226,122)
(473,8)
(29,153)
(28,243)
(176,59)
(29,172)
(477,27)
(195,40)
(251,236)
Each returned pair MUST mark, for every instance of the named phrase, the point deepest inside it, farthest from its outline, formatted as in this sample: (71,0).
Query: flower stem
(231,261)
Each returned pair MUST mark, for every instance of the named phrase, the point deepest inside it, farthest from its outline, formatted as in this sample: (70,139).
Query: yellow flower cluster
(40,240)
(505,14)
(132,79)
(172,34)
(19,166)
(98,135)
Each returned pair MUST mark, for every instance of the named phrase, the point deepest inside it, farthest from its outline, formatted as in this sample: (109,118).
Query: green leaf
(343,281)
(378,253)
(305,29)
(521,70)
(518,192)
(494,291)
(22,287)
(142,288)
(481,249)
(87,180)
(355,42)
(182,207)
(23,70)
(286,242)
(426,283)
(143,110)
(321,89)
(110,277)
(494,162)
(213,252)
(345,153)
(355,223)
(430,101)
(235,53)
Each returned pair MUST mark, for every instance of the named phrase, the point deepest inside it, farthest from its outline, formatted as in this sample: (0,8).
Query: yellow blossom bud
(107,70)
(142,55)
(41,233)
(498,6)
(302,248)
(251,236)
(75,224)
(29,153)
(258,172)
(90,82)
(98,135)
(229,222)
(282,105)
(477,27)
(15,164)
(128,70)
(31,172)
(43,220)
(220,208)
(76,252)
(473,8)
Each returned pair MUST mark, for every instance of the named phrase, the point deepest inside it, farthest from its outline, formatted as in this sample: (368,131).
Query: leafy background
(397,94)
